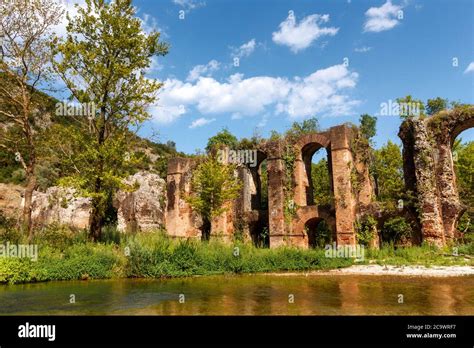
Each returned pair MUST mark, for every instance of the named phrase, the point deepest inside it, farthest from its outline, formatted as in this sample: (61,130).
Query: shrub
(9,231)
(365,228)
(396,230)
(55,235)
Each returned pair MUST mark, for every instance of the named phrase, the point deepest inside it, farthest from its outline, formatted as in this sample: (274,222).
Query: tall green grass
(68,255)
(158,256)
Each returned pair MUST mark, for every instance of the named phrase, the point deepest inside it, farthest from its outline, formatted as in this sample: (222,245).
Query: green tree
(25,33)
(436,105)
(213,185)
(368,126)
(410,107)
(298,129)
(321,182)
(396,230)
(103,62)
(464,167)
(224,137)
(388,173)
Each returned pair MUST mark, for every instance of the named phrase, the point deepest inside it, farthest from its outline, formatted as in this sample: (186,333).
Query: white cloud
(362,49)
(470,68)
(321,92)
(70,9)
(155,66)
(150,24)
(166,113)
(382,18)
(245,50)
(189,5)
(299,36)
(203,70)
(201,122)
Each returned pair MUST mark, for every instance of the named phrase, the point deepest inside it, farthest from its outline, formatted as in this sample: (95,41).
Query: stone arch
(460,127)
(305,148)
(314,138)
(445,127)
(312,215)
(311,230)
(257,180)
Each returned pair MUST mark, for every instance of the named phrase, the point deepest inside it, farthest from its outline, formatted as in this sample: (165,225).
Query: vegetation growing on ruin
(214,184)
(321,182)
(366,229)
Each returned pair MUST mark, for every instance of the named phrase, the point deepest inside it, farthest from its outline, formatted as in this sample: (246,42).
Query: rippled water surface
(245,295)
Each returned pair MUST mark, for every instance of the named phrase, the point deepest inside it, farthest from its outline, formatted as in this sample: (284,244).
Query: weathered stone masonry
(284,229)
(428,171)
(429,174)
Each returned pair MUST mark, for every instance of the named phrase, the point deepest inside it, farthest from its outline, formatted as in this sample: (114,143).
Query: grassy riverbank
(63,255)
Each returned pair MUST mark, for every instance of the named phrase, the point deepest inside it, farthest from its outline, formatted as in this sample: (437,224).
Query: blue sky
(331,59)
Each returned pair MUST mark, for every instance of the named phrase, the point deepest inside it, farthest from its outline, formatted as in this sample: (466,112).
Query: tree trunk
(30,187)
(206,229)
(96,220)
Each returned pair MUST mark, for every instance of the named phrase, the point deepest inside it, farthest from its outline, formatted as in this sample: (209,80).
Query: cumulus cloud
(203,70)
(299,36)
(322,92)
(245,50)
(201,122)
(382,18)
(470,68)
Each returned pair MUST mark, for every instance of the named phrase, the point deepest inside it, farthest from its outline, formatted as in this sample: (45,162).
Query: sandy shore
(418,271)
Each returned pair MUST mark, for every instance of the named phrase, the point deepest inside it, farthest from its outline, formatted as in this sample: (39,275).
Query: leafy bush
(18,176)
(55,235)
(79,261)
(365,227)
(8,230)
(396,230)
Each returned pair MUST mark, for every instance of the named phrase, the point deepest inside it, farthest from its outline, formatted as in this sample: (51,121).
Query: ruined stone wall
(181,221)
(289,193)
(429,171)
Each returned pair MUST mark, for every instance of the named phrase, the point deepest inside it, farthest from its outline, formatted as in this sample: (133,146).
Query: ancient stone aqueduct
(428,171)
(290,216)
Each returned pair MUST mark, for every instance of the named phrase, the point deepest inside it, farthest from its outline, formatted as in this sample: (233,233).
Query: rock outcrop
(60,205)
(10,199)
(140,210)
(144,208)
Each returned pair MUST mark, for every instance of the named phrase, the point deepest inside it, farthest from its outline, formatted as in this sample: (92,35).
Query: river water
(245,295)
